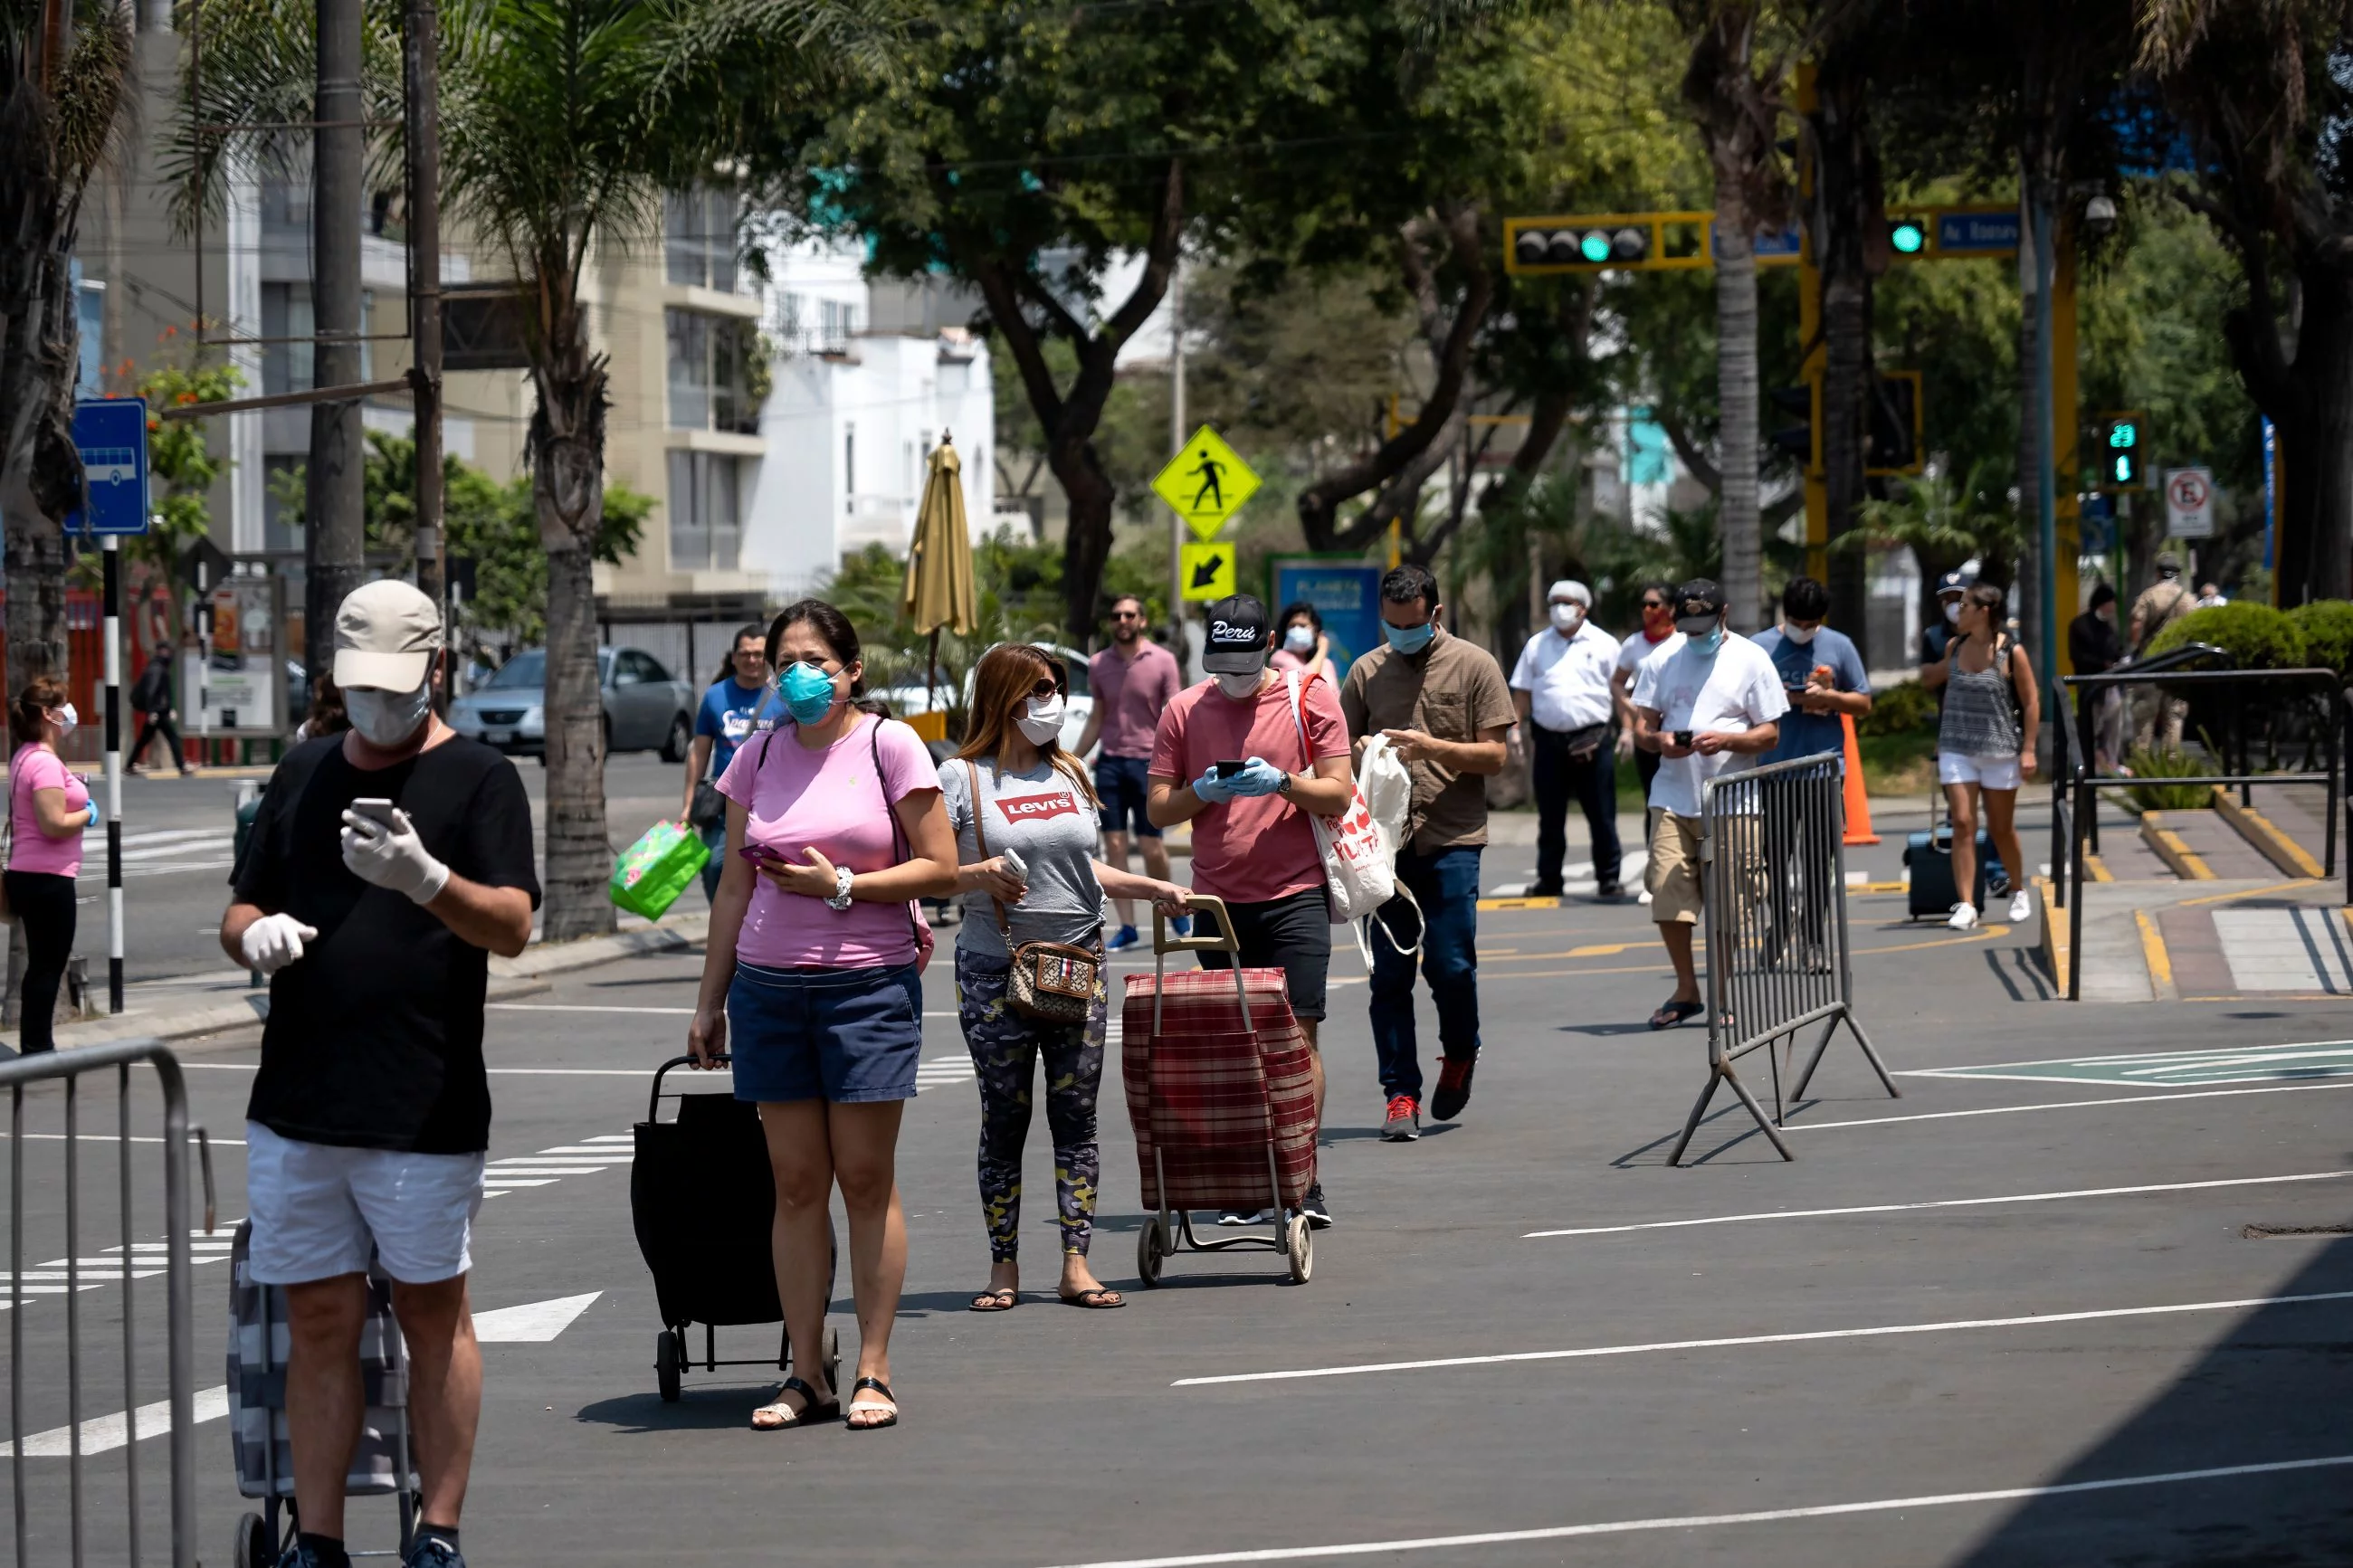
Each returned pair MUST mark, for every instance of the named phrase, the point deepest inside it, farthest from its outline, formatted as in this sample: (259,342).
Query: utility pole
(421,70)
(333,533)
(1177,434)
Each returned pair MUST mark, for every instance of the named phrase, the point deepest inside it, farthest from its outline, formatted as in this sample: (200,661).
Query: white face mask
(1300,638)
(388,718)
(1567,617)
(1043,719)
(1240,688)
(1796,634)
(1953,611)
(67,720)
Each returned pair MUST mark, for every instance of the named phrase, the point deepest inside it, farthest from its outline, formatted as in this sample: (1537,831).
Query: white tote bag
(1359,850)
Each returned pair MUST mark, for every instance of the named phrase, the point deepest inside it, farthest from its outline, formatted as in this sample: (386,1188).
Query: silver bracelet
(842,880)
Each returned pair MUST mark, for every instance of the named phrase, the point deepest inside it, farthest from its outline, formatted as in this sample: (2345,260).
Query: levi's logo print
(1036,807)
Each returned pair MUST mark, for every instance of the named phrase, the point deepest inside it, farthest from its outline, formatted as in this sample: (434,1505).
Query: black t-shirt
(374,1038)
(2093,643)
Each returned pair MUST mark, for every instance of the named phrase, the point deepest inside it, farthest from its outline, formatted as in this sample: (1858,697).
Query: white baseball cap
(1569,588)
(386,633)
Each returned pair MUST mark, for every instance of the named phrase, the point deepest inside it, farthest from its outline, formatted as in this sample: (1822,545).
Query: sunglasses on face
(1047,685)
(1127,614)
(1653,605)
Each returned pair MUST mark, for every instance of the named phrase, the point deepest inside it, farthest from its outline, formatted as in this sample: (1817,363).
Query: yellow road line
(2098,868)
(2244,893)
(2161,962)
(1492,904)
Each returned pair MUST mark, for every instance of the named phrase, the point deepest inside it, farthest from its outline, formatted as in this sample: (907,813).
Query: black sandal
(997,1299)
(1102,1298)
(811,1411)
(879,1386)
(1672,1013)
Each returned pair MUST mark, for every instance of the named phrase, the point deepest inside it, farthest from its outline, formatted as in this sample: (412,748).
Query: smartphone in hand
(1227,770)
(1682,737)
(375,810)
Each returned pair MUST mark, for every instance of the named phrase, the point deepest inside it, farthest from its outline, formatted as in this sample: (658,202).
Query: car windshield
(522,669)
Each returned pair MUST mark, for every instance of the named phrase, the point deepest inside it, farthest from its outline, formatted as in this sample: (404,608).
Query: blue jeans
(716,840)
(1446,885)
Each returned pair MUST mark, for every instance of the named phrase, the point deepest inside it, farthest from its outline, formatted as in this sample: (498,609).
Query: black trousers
(1592,782)
(151,725)
(43,902)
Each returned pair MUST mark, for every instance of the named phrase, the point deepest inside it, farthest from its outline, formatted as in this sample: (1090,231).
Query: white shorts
(318,1209)
(1992,772)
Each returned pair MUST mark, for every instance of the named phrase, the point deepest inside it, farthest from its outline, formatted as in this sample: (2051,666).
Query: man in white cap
(1561,687)
(388,864)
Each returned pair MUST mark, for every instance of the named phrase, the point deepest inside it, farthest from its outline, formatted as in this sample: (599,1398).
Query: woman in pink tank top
(48,809)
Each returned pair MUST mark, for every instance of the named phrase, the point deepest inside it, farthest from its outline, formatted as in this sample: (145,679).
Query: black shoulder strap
(891,810)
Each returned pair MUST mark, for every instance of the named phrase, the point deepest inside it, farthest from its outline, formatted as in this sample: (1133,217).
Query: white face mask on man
(388,718)
(1566,617)
(1952,612)
(1798,633)
(1041,721)
(1240,688)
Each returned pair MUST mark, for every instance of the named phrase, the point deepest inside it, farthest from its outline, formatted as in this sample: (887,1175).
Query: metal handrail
(69,1068)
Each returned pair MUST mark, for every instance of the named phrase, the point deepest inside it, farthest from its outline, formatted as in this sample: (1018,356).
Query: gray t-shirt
(1044,817)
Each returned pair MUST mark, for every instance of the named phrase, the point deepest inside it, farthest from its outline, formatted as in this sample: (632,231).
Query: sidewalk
(185,1007)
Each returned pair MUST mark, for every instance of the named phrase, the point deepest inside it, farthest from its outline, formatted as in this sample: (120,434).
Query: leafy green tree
(181,467)
(1944,522)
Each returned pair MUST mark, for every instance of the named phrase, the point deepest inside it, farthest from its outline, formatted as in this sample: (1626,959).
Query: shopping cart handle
(1163,942)
(653,1101)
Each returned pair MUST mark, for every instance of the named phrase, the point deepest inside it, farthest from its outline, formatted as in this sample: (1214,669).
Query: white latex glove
(273,941)
(392,857)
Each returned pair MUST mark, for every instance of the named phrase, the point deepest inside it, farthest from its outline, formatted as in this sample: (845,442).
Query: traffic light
(1800,441)
(2119,452)
(1907,236)
(1895,423)
(1582,248)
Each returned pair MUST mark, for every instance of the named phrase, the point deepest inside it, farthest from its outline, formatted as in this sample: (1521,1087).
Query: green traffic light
(1907,237)
(1595,247)
(2124,468)
(2124,433)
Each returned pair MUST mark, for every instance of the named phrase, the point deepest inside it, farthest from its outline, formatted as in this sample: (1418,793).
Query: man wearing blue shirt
(738,706)
(1821,671)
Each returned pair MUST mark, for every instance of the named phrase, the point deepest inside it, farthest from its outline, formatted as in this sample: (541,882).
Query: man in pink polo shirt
(1252,844)
(1133,682)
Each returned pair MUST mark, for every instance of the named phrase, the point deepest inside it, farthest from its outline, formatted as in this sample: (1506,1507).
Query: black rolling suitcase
(1929,857)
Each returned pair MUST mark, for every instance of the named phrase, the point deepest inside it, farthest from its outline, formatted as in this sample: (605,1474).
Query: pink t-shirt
(30,849)
(830,799)
(1131,695)
(1250,849)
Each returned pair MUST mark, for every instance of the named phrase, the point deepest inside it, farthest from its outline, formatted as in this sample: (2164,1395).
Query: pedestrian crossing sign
(1209,571)
(1207,483)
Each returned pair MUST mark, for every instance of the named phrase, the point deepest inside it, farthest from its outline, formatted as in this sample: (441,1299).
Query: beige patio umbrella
(939,592)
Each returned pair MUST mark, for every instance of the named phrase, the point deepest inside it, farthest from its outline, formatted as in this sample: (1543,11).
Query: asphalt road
(1740,1362)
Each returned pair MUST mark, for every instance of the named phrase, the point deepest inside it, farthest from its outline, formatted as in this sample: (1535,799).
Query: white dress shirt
(1568,677)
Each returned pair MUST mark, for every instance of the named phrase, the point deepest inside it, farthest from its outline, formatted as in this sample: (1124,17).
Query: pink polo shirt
(30,849)
(1131,695)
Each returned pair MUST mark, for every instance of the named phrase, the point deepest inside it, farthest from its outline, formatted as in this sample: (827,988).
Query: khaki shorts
(1673,876)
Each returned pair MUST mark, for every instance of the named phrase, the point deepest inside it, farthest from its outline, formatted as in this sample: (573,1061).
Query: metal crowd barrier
(1773,883)
(67,1068)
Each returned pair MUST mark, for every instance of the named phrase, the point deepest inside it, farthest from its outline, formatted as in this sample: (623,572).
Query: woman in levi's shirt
(812,986)
(1026,822)
(48,810)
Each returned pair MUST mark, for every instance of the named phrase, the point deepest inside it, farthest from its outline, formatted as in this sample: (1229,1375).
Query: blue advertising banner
(1346,591)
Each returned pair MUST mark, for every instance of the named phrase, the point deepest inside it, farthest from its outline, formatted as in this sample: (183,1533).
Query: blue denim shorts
(1122,783)
(848,1035)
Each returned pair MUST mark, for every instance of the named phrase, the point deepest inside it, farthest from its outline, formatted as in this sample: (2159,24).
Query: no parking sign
(2189,503)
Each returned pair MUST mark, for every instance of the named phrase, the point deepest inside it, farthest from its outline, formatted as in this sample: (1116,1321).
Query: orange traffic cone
(1858,804)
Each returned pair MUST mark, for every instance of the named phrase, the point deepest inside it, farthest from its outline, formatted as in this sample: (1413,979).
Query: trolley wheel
(1299,1241)
(254,1548)
(1147,1251)
(833,1359)
(670,1358)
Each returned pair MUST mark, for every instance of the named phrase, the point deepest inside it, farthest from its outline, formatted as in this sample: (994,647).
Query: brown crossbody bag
(1052,982)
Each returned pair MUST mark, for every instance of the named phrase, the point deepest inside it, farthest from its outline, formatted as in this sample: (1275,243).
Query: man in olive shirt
(1442,702)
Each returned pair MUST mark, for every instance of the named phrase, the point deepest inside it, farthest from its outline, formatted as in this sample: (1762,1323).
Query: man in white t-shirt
(1560,688)
(1702,708)
(1657,635)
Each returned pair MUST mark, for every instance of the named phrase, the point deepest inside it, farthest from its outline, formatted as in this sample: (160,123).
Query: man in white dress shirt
(1561,686)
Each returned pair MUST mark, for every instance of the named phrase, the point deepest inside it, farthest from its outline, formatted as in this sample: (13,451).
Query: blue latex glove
(1215,790)
(1260,777)
(96,816)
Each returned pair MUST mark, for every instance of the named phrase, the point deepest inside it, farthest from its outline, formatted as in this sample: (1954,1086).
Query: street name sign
(1205,483)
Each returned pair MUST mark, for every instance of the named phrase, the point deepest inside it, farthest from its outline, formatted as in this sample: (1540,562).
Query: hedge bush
(2257,635)
(2327,628)
(1901,707)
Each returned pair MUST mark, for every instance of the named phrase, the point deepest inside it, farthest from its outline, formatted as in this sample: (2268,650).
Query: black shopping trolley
(705,1203)
(382,1465)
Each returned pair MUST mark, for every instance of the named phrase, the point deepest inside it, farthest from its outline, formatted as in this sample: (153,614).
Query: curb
(2171,849)
(2265,838)
(222,1018)
(557,958)
(2055,953)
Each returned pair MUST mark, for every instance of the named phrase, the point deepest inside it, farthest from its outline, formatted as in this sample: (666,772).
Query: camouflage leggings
(1005,1049)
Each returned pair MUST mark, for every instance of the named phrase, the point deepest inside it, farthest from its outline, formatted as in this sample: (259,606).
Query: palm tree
(563,123)
(1944,523)
(65,75)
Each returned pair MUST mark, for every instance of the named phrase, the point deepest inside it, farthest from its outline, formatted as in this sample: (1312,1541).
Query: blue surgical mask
(1410,639)
(1707,645)
(809,692)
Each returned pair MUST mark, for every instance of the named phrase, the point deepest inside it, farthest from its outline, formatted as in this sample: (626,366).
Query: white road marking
(1943,1203)
(108,1138)
(104,1434)
(575,1007)
(1706,1520)
(2167,1097)
(608,1151)
(1593,1351)
(533,1323)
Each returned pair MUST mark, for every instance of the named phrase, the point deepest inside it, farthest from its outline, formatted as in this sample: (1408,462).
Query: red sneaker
(1403,1124)
(1453,1087)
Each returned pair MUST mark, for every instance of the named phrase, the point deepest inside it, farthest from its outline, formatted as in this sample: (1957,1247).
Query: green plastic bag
(657,868)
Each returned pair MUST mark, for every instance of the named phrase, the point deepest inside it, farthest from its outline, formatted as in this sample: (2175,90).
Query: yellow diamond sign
(1207,483)
(1209,571)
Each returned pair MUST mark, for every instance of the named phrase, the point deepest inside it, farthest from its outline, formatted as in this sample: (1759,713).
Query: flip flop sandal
(811,1412)
(1100,1299)
(880,1388)
(1002,1298)
(1672,1014)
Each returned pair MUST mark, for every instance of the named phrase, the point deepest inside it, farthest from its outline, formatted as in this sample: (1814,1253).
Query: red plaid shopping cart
(1221,1093)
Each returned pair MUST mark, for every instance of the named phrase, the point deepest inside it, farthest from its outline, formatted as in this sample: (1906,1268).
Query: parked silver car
(646,709)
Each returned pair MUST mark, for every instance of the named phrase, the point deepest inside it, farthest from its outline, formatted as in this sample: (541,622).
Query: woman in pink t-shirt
(811,982)
(48,809)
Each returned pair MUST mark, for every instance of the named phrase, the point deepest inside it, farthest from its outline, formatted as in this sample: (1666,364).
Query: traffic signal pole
(2066,462)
